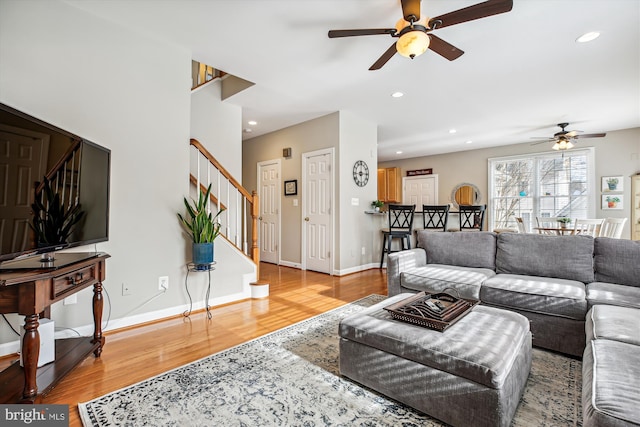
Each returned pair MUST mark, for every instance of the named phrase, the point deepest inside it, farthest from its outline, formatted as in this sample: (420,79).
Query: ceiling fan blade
(362,32)
(411,10)
(444,49)
(384,58)
(543,137)
(544,142)
(477,11)
(571,134)
(591,135)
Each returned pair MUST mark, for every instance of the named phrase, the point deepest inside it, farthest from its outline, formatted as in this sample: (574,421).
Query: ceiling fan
(414,33)
(562,140)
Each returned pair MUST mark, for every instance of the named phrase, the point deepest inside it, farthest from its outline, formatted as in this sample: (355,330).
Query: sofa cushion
(558,297)
(564,257)
(610,378)
(437,278)
(613,323)
(617,261)
(463,249)
(613,294)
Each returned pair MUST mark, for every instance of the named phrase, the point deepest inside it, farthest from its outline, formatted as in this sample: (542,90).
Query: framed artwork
(291,187)
(612,183)
(612,201)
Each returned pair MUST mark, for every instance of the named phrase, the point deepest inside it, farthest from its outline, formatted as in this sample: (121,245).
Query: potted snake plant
(53,222)
(203,227)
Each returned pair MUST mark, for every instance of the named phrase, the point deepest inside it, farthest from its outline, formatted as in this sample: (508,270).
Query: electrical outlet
(71,299)
(126,290)
(364,251)
(163,283)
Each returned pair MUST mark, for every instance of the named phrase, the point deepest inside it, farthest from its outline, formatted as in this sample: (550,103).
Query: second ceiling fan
(414,33)
(563,140)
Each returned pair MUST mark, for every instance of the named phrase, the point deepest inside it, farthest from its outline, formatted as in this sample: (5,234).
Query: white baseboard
(355,269)
(13,347)
(291,264)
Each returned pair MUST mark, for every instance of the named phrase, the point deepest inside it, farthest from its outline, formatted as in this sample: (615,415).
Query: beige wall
(616,154)
(357,231)
(142,116)
(353,139)
(309,136)
(218,126)
(108,95)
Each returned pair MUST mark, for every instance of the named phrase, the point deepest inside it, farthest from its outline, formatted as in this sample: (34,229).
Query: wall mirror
(465,194)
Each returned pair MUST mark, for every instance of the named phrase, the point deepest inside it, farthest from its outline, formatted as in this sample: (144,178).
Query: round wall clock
(360,173)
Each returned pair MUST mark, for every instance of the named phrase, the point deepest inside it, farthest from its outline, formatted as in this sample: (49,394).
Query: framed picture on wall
(291,187)
(612,183)
(612,201)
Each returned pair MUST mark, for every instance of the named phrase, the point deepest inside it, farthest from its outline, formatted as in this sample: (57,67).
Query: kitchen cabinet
(389,182)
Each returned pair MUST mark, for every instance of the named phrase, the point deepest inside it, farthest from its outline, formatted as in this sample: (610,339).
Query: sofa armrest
(398,262)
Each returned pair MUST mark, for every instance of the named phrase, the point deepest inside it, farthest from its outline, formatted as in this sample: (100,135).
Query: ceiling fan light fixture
(562,144)
(413,43)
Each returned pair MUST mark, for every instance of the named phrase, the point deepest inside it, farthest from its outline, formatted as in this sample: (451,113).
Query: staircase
(56,207)
(202,74)
(240,219)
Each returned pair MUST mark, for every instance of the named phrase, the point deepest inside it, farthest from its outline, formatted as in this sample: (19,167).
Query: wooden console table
(30,292)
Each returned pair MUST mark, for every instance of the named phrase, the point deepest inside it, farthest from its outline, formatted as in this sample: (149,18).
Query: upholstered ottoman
(611,367)
(473,373)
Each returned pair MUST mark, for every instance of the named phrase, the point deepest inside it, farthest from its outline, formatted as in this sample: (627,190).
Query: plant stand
(199,268)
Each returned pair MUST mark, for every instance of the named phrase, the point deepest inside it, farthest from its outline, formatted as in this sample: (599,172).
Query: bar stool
(434,217)
(400,224)
(472,217)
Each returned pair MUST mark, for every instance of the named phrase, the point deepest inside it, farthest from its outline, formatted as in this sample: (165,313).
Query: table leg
(30,355)
(97,318)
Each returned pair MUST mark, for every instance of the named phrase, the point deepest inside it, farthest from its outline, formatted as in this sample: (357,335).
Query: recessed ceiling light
(587,37)
(398,152)
(252,122)
(469,142)
(397,94)
(452,131)
(248,130)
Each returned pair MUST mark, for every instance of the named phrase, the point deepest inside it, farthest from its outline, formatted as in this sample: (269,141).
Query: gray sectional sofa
(558,283)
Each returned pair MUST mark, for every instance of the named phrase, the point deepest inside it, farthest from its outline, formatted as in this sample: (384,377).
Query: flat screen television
(54,192)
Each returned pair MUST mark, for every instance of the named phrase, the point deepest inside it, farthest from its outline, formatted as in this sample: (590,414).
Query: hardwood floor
(138,353)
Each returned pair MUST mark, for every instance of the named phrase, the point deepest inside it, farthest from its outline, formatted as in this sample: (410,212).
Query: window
(544,185)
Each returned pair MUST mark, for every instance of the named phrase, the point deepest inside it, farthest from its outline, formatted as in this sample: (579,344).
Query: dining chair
(472,217)
(400,225)
(587,227)
(520,225)
(434,217)
(612,227)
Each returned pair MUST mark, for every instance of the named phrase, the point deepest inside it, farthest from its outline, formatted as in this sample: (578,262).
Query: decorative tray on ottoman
(431,310)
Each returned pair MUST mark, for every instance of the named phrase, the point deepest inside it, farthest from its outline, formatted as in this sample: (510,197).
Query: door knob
(306,218)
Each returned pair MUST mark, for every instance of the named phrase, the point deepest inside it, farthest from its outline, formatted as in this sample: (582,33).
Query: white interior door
(23,155)
(317,200)
(269,219)
(420,190)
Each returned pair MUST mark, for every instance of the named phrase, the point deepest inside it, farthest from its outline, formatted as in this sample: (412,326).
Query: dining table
(560,231)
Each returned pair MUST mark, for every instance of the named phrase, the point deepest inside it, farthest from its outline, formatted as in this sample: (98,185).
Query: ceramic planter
(202,254)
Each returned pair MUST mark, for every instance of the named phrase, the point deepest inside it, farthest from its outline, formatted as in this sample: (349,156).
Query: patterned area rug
(290,378)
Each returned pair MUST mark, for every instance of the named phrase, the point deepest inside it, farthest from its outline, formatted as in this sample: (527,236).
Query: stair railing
(241,207)
(64,177)
(203,73)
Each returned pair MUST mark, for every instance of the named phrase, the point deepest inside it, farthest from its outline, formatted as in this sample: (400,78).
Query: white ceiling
(522,71)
